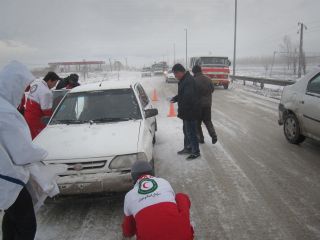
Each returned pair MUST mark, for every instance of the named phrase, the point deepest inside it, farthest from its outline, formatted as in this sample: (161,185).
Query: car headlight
(126,161)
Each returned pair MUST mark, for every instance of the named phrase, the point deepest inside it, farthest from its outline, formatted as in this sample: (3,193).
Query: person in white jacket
(17,152)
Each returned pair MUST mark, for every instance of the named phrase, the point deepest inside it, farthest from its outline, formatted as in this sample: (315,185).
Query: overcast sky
(40,31)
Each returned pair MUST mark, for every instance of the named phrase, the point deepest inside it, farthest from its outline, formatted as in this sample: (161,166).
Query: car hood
(89,141)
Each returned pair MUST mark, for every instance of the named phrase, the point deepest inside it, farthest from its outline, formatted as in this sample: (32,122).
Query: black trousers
(190,136)
(19,221)
(206,119)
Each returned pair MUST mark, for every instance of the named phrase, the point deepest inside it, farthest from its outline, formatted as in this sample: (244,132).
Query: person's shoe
(214,140)
(184,151)
(201,141)
(193,156)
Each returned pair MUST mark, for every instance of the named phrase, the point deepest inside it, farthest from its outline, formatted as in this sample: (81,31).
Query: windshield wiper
(67,121)
(102,120)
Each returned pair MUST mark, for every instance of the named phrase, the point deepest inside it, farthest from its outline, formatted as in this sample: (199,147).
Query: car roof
(212,57)
(104,85)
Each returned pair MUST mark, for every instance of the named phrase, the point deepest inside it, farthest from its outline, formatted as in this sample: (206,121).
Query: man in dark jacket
(205,88)
(69,82)
(188,110)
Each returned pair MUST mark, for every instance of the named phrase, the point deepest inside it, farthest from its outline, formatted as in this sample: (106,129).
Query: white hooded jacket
(16,147)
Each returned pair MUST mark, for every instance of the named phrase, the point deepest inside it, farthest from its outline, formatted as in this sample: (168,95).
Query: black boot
(184,151)
(214,140)
(193,156)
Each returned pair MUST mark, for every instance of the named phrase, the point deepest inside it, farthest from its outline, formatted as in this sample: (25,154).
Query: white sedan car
(299,109)
(170,78)
(99,130)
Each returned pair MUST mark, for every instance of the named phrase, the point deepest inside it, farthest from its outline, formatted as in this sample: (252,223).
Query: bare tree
(287,48)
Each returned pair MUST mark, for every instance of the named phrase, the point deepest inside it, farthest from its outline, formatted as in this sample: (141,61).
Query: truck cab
(216,68)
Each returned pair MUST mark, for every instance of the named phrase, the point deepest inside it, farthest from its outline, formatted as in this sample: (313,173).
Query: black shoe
(184,151)
(201,141)
(214,140)
(193,156)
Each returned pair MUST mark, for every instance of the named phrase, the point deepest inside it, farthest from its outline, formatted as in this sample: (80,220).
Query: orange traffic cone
(172,112)
(155,96)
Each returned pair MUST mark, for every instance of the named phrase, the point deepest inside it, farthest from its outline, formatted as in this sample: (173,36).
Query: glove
(174,99)
(46,176)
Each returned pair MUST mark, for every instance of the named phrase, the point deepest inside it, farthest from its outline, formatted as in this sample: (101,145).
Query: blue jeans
(190,136)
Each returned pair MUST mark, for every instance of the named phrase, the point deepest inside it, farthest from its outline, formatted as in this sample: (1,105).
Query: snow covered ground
(251,185)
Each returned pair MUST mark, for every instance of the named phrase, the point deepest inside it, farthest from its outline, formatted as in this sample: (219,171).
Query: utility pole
(186,48)
(174,54)
(273,59)
(235,38)
(302,27)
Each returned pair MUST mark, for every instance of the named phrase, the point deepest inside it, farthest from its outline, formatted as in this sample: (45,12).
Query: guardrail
(262,81)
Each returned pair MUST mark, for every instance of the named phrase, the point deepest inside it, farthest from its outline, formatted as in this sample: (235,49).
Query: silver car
(299,109)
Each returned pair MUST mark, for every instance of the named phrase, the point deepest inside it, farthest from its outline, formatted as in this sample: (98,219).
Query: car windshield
(214,61)
(98,106)
(57,97)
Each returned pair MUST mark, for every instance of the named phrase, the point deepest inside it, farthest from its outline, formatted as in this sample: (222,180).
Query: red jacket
(38,105)
(21,107)
(154,212)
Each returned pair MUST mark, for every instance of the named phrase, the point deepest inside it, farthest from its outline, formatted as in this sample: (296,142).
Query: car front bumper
(95,183)
(146,74)
(172,80)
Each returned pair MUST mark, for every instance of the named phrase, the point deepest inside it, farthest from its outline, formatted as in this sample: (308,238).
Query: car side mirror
(45,120)
(151,112)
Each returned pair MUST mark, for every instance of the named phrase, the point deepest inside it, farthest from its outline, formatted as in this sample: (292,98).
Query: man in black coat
(205,88)
(188,110)
(69,82)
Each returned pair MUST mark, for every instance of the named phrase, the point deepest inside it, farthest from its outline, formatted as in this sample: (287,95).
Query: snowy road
(251,185)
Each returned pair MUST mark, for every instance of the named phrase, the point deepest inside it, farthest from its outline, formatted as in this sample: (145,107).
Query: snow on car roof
(211,57)
(105,85)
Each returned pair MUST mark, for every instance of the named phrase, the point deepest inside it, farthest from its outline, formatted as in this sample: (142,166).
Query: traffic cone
(172,112)
(155,96)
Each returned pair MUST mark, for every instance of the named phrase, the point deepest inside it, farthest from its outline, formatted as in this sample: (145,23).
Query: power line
(311,22)
(315,26)
(278,35)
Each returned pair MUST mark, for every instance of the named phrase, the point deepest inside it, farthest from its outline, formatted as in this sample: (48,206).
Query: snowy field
(251,185)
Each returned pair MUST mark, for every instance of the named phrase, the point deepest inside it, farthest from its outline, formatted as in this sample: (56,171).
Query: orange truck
(216,68)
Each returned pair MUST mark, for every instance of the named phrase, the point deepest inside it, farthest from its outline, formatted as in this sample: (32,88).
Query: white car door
(310,108)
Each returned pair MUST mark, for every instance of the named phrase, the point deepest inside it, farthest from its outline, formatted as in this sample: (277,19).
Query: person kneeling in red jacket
(153,210)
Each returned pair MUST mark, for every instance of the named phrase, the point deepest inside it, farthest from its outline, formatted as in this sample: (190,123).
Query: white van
(299,109)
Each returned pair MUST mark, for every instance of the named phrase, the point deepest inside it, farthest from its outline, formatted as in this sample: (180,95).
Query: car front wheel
(291,129)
